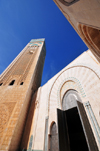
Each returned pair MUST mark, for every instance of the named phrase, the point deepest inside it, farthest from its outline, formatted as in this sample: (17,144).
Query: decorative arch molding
(93,68)
(91,36)
(70,83)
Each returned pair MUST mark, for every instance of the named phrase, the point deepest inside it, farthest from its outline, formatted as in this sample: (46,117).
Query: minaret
(18,84)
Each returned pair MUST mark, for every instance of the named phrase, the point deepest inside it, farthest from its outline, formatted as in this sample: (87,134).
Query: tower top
(36,40)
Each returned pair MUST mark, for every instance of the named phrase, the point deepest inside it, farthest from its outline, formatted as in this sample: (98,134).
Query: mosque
(63,114)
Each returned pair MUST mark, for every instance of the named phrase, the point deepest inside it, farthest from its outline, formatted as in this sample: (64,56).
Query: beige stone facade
(84,16)
(18,84)
(83,76)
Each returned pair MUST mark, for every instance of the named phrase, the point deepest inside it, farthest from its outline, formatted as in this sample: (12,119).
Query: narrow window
(21,83)
(12,82)
(1,84)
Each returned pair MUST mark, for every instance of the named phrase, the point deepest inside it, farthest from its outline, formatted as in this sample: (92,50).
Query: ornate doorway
(75,133)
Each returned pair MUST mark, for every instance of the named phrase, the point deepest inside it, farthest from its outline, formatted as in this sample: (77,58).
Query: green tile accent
(29,149)
(33,44)
(30,143)
(34,40)
(31,138)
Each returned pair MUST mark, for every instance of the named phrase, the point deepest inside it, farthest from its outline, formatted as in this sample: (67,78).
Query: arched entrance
(74,130)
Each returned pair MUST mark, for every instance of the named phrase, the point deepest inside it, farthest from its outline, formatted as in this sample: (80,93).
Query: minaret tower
(18,84)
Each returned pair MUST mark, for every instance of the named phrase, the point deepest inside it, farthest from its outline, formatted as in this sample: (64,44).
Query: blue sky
(23,20)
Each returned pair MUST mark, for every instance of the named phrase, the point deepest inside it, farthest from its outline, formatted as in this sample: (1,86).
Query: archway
(74,130)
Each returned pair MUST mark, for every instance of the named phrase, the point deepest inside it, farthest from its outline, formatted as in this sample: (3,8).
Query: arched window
(12,82)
